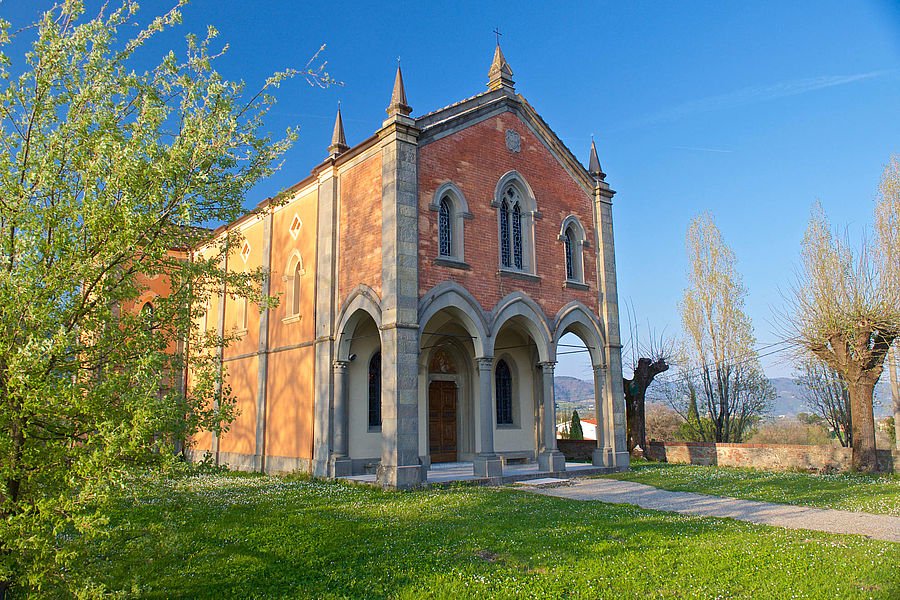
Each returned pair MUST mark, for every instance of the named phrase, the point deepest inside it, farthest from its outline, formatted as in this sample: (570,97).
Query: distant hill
(576,393)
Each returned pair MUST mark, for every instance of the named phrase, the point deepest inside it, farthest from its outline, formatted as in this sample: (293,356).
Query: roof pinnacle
(398,105)
(594,163)
(500,73)
(338,141)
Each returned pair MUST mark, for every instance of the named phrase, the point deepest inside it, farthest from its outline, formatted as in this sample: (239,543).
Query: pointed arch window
(375,390)
(569,241)
(572,235)
(516,213)
(445,228)
(503,393)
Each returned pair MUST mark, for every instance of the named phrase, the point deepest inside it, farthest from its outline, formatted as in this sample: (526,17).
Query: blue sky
(749,110)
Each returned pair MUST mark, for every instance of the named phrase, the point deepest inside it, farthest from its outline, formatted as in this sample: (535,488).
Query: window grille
(375,390)
(503,383)
(517,235)
(570,258)
(505,259)
(445,235)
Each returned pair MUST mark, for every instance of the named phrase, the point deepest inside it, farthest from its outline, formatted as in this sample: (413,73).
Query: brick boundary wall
(772,457)
(577,450)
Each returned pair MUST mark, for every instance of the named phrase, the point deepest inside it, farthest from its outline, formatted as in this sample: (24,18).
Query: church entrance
(442,421)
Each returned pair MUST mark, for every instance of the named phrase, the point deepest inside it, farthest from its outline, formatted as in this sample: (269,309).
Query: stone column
(341,465)
(603,455)
(326,275)
(550,459)
(487,463)
(614,391)
(400,466)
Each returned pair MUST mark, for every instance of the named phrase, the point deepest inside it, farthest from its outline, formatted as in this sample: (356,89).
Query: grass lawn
(878,494)
(253,536)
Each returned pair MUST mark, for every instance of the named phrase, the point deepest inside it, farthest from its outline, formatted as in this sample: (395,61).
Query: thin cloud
(699,149)
(754,95)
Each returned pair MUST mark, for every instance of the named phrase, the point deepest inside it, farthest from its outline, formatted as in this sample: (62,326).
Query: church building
(426,276)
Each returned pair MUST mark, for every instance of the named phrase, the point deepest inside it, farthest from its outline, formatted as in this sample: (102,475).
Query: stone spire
(500,74)
(594,164)
(338,141)
(398,105)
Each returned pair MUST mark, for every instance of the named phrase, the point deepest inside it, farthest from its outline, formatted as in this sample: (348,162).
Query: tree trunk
(893,366)
(862,419)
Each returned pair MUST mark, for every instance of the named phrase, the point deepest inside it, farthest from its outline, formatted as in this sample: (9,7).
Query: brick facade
(474,159)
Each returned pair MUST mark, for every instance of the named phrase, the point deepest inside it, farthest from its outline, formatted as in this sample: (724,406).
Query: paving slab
(880,527)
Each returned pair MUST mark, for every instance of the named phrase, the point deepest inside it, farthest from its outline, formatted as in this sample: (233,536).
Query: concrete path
(881,527)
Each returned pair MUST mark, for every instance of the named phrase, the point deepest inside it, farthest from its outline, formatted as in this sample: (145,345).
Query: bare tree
(826,395)
(892,363)
(846,307)
(648,359)
(721,376)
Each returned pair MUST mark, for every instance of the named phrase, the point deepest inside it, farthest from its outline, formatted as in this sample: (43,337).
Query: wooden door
(442,421)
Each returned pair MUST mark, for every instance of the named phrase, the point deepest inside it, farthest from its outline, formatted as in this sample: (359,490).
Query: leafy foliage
(107,175)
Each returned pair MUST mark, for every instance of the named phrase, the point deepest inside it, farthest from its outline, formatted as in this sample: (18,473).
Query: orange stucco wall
(475,159)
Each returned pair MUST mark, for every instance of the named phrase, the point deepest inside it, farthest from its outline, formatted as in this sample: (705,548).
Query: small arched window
(445,228)
(295,288)
(375,390)
(147,316)
(572,235)
(503,392)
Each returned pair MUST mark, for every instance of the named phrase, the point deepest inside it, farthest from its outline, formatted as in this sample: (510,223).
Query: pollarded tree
(720,369)
(106,172)
(846,308)
(887,225)
(650,357)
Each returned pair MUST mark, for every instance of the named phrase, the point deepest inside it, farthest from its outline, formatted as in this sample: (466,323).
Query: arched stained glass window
(569,241)
(445,233)
(375,390)
(505,257)
(503,391)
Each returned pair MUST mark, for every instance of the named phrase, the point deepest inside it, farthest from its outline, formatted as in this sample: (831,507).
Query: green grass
(879,494)
(242,536)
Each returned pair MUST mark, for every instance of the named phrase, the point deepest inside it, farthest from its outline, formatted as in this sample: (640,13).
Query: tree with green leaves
(108,174)
(575,431)
(720,375)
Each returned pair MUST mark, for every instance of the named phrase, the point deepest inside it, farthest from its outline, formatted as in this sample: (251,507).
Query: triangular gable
(465,113)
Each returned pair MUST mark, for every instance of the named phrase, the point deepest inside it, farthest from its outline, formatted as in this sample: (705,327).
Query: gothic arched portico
(577,319)
(356,405)
(453,326)
(523,354)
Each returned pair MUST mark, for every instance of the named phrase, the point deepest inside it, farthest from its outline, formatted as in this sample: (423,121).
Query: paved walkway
(881,527)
